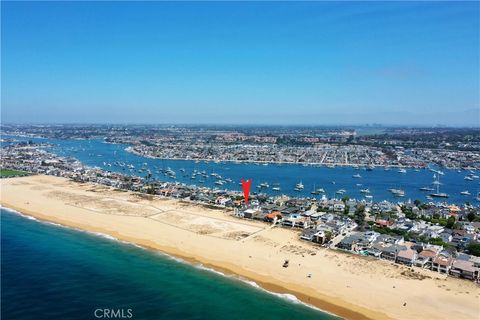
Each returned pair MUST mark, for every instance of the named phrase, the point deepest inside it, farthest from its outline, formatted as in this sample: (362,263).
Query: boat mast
(438,183)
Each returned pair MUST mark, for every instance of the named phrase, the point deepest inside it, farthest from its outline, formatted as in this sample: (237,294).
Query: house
(303,222)
(425,258)
(338,206)
(249,213)
(273,216)
(322,232)
(223,201)
(442,263)
(371,235)
(308,234)
(293,220)
(259,215)
(464,269)
(389,251)
(469,228)
(385,238)
(382,223)
(446,236)
(349,242)
(406,257)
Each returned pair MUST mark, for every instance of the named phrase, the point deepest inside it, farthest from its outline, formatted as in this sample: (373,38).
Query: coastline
(274,289)
(69,204)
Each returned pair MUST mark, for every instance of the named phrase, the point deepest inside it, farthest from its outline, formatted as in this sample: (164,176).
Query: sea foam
(284,296)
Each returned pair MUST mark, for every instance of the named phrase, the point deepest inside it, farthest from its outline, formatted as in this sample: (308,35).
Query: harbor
(339,182)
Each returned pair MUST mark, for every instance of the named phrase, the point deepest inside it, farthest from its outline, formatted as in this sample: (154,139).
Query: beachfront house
(308,234)
(273,217)
(442,263)
(464,269)
(406,257)
(358,241)
(425,257)
(390,251)
(249,213)
(296,220)
(349,242)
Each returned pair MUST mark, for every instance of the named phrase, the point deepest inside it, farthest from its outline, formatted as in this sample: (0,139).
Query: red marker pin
(246,189)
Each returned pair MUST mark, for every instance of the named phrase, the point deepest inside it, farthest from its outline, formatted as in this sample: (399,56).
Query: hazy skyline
(261,63)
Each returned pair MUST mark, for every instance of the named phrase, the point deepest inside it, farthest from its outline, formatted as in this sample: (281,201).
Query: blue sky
(224,62)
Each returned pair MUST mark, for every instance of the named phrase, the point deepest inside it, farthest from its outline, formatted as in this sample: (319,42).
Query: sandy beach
(350,286)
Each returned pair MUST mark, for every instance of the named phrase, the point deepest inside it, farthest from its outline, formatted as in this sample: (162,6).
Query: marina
(297,180)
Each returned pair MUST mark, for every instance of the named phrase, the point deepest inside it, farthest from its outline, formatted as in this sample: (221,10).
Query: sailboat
(438,194)
(314,191)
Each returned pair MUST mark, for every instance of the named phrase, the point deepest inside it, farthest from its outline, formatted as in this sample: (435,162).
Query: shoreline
(90,208)
(318,304)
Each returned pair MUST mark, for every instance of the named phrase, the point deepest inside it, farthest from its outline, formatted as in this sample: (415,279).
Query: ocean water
(378,181)
(52,272)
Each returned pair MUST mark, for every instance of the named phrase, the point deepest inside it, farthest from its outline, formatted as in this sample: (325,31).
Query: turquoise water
(378,181)
(51,272)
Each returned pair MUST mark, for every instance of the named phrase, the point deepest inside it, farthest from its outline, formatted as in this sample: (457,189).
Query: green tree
(450,222)
(474,249)
(443,222)
(328,236)
(360,216)
(471,216)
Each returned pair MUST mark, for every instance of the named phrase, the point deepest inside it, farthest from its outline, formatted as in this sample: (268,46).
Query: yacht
(426,189)
(365,190)
(264,185)
(465,193)
(276,188)
(438,194)
(398,193)
(468,178)
(299,186)
(341,191)
(402,171)
(356,176)
(317,191)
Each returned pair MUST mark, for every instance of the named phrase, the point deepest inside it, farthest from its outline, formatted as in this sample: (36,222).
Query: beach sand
(350,286)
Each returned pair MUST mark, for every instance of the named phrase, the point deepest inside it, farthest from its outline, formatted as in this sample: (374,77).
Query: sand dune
(351,286)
